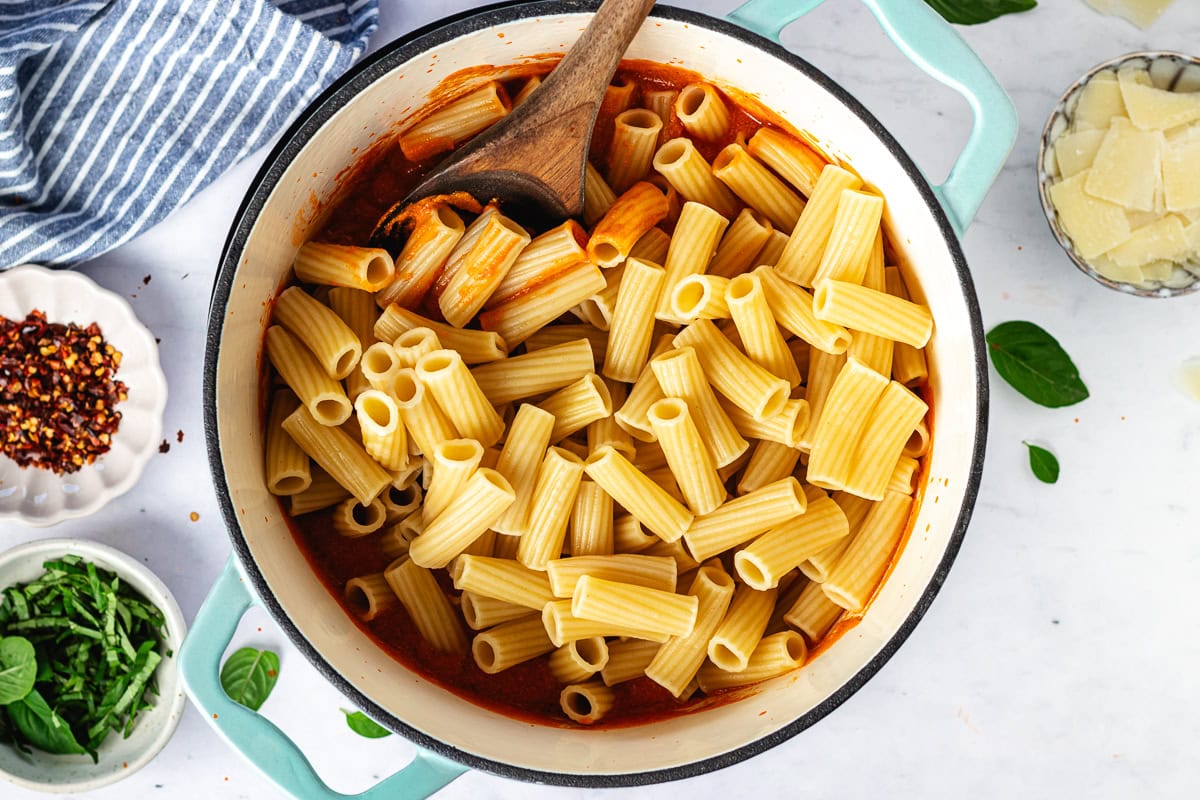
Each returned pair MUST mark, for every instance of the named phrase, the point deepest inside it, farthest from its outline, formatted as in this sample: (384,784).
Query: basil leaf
(18,668)
(1043,463)
(1034,364)
(973,12)
(249,675)
(41,726)
(364,726)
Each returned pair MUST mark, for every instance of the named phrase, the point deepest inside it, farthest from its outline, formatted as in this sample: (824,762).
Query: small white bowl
(119,757)
(39,496)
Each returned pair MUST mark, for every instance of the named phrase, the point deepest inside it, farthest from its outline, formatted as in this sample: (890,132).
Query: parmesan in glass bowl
(1119,173)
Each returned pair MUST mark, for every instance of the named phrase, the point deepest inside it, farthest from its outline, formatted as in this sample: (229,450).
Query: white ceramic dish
(38,496)
(119,757)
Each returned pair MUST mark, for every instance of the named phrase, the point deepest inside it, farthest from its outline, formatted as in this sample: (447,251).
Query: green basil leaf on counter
(249,675)
(41,726)
(18,668)
(1033,363)
(1043,463)
(973,12)
(364,726)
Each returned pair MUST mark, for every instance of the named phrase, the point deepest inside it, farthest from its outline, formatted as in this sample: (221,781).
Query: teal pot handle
(934,46)
(256,737)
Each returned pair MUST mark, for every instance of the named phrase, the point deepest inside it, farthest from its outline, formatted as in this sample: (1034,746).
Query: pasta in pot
(606,468)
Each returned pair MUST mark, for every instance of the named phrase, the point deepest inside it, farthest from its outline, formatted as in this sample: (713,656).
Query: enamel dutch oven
(268,567)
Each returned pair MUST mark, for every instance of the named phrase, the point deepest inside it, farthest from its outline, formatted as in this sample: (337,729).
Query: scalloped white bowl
(38,496)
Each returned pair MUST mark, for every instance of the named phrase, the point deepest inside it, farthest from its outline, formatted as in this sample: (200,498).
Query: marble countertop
(1059,658)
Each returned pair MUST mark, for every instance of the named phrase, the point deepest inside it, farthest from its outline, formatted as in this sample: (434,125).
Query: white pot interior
(286,220)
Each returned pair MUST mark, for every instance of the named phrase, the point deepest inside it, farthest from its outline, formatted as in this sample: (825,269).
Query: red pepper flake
(58,393)
(179,436)
(165,447)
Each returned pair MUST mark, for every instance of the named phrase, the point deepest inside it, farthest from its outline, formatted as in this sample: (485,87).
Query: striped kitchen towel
(115,112)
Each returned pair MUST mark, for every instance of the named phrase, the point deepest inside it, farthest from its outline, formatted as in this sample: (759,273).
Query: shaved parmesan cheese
(1140,219)
(1099,102)
(1140,12)
(1163,240)
(1128,166)
(1154,109)
(1181,175)
(1094,225)
(1114,272)
(1192,234)
(1157,270)
(1076,151)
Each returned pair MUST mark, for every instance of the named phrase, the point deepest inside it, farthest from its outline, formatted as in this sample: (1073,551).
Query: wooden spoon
(533,160)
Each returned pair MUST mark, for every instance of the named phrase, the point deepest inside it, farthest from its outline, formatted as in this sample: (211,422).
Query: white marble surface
(1059,659)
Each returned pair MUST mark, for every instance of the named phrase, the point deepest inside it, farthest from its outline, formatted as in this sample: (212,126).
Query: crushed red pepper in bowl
(58,393)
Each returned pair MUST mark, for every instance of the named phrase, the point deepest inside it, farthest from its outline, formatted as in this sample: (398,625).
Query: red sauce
(526,691)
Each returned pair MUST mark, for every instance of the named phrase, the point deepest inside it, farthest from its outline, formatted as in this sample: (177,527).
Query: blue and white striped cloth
(115,112)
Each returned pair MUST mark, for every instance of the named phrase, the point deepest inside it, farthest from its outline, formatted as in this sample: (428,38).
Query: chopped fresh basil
(249,675)
(973,12)
(18,668)
(1034,364)
(1043,463)
(364,726)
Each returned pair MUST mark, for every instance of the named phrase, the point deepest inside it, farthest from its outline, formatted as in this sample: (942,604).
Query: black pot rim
(306,125)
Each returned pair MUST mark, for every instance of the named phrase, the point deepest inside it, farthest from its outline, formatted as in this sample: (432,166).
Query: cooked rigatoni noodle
(874,351)
(481,546)
(424,254)
(369,595)
(653,246)
(858,571)
(661,102)
(383,433)
(756,326)
(813,614)
(775,655)
(633,320)
(586,703)
(908,364)
(650,456)
(591,526)
(482,269)
(606,431)
(454,462)
(401,501)
(741,243)
(757,187)
(554,493)
(328,338)
(578,660)
(534,373)
(392,542)
(892,422)
(502,579)
(639,607)
(742,628)
(801,353)
(771,461)
(665,479)
(631,416)
(627,659)
(794,161)
(525,314)
(366,268)
(341,456)
(456,392)
(524,448)
(845,415)
(638,495)
(821,565)
(792,307)
(904,475)
(918,443)
(678,661)
(475,347)
(801,259)
(427,605)
(732,373)
(787,427)
(699,297)
(324,397)
(780,550)
(526,89)
(456,122)
(424,419)
(414,343)
(629,536)
(358,310)
(683,561)
(618,96)
(873,311)
(730,470)
(543,258)
(635,138)
(702,111)
(380,364)
(503,646)
(589,311)
(480,504)
(823,369)
(322,492)
(635,211)
(480,611)
(560,334)
(564,627)
(598,196)
(692,246)
(690,460)
(679,374)
(653,572)
(353,519)
(855,228)
(772,250)
(742,518)
(287,466)
(685,169)
(577,405)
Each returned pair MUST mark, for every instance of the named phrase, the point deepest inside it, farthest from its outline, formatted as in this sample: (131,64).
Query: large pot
(277,216)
